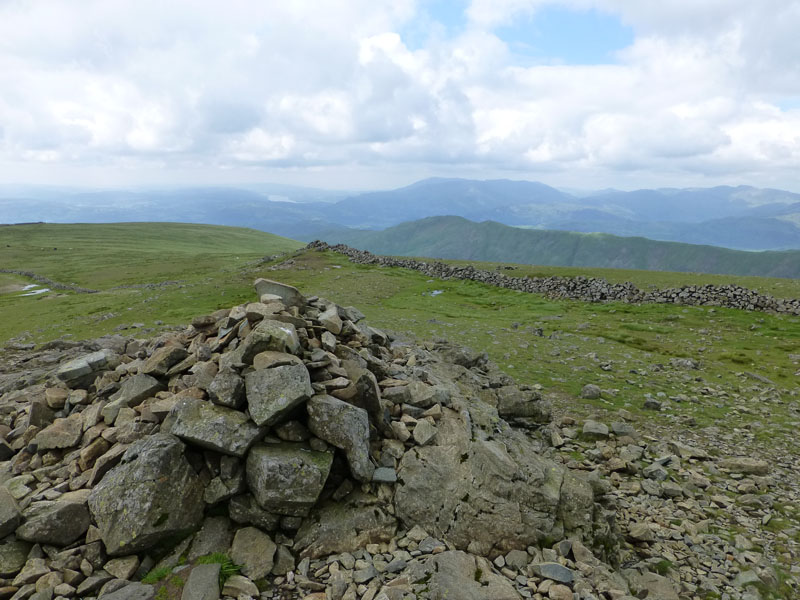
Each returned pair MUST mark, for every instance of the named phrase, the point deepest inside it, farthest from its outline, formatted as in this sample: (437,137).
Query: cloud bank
(310,92)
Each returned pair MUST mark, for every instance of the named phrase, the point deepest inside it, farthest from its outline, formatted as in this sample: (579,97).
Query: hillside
(458,238)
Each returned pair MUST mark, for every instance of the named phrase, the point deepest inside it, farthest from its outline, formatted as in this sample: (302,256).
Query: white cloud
(290,89)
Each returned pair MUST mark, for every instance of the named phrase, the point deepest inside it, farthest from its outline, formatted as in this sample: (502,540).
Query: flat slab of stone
(213,427)
(162,360)
(745,465)
(136,389)
(9,513)
(57,523)
(133,591)
(290,296)
(554,571)
(153,494)
(287,478)
(63,433)
(273,393)
(81,372)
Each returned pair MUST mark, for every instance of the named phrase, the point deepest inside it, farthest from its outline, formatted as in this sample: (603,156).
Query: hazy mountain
(735,217)
(458,238)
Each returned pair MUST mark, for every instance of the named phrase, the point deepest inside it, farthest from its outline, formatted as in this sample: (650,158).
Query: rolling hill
(458,238)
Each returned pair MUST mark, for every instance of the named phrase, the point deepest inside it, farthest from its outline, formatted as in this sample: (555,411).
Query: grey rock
(620,428)
(594,430)
(289,295)
(651,404)
(203,583)
(590,392)
(215,533)
(9,513)
(58,523)
(245,510)
(133,591)
(424,432)
(651,586)
(513,402)
(151,495)
(238,585)
(227,389)
(384,475)
(213,427)
(330,320)
(254,550)
(269,335)
(284,561)
(746,465)
(337,527)
(82,371)
(273,393)
(162,360)
(455,574)
(346,427)
(287,478)
(63,433)
(554,571)
(13,555)
(136,389)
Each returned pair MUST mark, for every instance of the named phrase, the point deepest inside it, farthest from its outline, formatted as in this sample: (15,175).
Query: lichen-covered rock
(13,554)
(227,389)
(273,393)
(63,433)
(269,335)
(58,523)
(82,371)
(346,427)
(163,359)
(254,550)
(488,495)
(455,574)
(346,526)
(287,478)
(153,494)
(213,427)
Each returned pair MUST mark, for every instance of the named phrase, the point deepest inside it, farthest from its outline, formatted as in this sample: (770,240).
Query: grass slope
(458,238)
(179,270)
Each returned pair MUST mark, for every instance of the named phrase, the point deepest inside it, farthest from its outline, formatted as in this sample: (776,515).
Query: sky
(373,94)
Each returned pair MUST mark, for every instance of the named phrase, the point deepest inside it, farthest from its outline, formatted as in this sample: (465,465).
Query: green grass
(227,568)
(195,269)
(156,575)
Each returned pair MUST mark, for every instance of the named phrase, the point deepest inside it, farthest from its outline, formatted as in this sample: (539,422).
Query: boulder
(203,583)
(9,513)
(152,495)
(591,391)
(63,433)
(346,427)
(132,591)
(490,495)
(131,393)
(287,478)
(213,427)
(162,360)
(227,389)
(58,523)
(745,465)
(346,526)
(273,393)
(454,574)
(82,371)
(13,555)
(269,335)
(254,550)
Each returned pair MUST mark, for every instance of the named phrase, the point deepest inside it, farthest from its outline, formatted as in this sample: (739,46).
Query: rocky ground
(285,449)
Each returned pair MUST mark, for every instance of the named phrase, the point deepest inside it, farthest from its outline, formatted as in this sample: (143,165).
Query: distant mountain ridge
(740,217)
(458,238)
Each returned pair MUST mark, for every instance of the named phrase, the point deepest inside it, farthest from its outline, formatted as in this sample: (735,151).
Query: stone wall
(587,289)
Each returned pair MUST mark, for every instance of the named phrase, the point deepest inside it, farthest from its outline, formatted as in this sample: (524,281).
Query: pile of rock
(317,453)
(586,289)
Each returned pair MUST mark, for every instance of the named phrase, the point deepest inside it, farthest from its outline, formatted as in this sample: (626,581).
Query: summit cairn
(288,434)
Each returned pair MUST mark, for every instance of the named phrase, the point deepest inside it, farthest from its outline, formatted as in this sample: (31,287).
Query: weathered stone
(59,523)
(214,427)
(270,358)
(593,430)
(122,568)
(136,389)
(13,555)
(238,585)
(330,320)
(650,585)
(63,433)
(641,532)
(162,360)
(364,393)
(337,527)
(9,513)
(504,494)
(269,335)
(245,510)
(513,402)
(554,571)
(346,427)
(273,393)
(289,295)
(56,397)
(82,371)
(254,550)
(746,465)
(151,495)
(424,432)
(133,591)
(590,391)
(227,389)
(287,478)
(203,583)
(455,574)
(384,475)
(31,571)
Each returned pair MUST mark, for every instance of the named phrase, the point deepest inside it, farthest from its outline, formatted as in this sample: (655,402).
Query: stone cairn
(585,289)
(323,458)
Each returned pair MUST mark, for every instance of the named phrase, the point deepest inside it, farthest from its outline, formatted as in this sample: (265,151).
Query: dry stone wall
(587,289)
